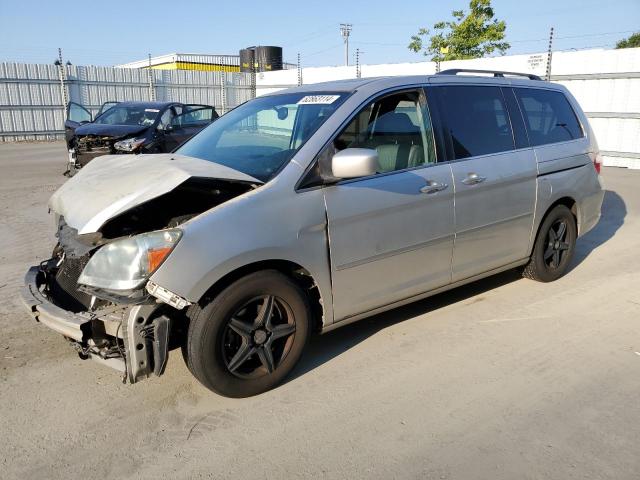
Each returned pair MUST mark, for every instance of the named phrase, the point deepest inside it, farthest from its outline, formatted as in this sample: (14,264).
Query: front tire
(249,337)
(554,246)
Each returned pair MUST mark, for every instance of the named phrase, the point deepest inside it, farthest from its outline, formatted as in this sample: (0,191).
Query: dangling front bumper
(132,339)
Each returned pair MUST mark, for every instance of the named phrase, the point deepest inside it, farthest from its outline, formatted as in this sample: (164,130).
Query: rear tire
(250,336)
(554,246)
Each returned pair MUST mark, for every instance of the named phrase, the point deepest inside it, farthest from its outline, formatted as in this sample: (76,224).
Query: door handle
(473,178)
(433,187)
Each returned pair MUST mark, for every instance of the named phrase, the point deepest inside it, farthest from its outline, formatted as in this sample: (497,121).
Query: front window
(397,126)
(129,115)
(259,137)
(166,118)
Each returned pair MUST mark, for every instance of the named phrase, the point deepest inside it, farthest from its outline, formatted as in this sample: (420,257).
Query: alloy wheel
(258,336)
(557,245)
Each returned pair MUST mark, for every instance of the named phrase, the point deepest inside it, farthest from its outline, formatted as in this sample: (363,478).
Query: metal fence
(612,103)
(32,96)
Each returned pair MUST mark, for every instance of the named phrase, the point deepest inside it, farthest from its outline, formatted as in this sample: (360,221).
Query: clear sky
(107,32)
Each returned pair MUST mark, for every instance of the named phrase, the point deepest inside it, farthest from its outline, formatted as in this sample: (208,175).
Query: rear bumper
(590,209)
(71,325)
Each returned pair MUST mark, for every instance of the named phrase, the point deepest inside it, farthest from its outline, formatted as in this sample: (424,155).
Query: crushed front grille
(64,286)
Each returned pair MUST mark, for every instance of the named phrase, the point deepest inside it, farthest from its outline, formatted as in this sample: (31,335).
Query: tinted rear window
(548,115)
(477,120)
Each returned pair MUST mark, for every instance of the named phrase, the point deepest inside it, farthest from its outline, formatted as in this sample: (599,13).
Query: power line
(573,36)
(305,38)
(321,51)
(386,44)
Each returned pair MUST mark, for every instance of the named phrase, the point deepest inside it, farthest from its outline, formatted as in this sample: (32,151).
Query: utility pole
(358,70)
(223,91)
(549,55)
(345,31)
(152,92)
(299,71)
(252,77)
(63,86)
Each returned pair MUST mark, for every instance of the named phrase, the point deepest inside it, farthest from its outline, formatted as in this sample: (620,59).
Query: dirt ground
(503,379)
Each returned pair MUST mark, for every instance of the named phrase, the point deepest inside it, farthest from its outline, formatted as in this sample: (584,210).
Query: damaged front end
(95,288)
(88,147)
(127,330)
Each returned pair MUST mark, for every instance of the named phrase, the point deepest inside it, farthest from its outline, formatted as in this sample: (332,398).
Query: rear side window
(548,115)
(477,120)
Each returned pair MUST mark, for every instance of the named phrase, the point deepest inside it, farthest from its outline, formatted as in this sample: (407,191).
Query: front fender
(270,223)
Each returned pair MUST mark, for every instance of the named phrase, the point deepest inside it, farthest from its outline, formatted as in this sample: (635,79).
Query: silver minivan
(307,209)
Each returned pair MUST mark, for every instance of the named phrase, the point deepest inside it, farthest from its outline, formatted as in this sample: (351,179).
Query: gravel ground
(506,378)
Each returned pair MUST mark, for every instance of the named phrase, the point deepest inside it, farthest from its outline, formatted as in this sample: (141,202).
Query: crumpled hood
(113,184)
(115,131)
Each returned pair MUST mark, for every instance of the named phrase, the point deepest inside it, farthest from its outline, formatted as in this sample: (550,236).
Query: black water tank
(264,59)
(269,58)
(247,59)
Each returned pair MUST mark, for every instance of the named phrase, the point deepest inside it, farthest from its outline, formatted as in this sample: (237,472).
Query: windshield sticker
(154,110)
(318,99)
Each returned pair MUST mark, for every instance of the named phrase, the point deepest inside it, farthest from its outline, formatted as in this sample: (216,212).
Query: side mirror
(283,112)
(354,162)
(168,128)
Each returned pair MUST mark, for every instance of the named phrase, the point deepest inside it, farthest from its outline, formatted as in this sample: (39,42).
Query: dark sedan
(131,127)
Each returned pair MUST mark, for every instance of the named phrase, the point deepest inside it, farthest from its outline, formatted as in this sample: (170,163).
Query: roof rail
(495,73)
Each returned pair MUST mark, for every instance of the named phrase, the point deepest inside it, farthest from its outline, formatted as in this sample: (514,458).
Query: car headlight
(126,264)
(129,145)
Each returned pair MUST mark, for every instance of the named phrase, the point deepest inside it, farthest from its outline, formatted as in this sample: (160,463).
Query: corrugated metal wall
(612,103)
(31,96)
(30,101)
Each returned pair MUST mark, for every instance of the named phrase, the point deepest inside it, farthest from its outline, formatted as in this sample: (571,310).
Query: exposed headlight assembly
(129,145)
(126,264)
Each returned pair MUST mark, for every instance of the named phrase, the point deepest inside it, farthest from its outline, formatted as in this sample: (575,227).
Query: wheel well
(568,202)
(295,272)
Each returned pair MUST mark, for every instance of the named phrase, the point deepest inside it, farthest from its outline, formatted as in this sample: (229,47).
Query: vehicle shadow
(323,348)
(614,211)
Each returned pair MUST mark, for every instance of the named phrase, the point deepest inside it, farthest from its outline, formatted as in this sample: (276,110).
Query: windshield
(128,115)
(259,137)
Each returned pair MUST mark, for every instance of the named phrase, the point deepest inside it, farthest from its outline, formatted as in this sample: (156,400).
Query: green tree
(632,42)
(472,34)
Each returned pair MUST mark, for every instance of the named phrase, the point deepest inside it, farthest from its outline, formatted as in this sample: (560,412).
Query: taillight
(597,162)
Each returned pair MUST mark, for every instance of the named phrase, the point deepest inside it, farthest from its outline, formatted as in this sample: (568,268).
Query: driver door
(76,116)
(390,234)
(168,142)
